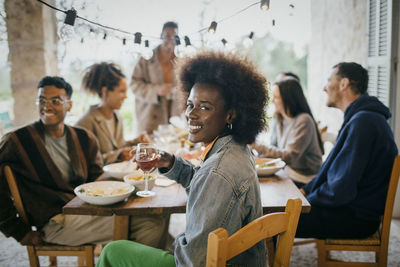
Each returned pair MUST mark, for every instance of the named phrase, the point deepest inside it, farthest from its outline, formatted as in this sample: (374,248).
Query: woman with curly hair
(225,105)
(295,136)
(109,83)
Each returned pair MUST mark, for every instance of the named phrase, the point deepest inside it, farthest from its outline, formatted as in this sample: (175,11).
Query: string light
(190,50)
(147,53)
(247,42)
(179,49)
(264,5)
(138,38)
(92,34)
(67,31)
(213,27)
(137,49)
(227,46)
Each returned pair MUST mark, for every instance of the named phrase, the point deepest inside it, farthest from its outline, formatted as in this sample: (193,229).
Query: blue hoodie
(357,171)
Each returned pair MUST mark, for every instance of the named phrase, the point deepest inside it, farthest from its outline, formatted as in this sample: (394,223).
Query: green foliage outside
(276,56)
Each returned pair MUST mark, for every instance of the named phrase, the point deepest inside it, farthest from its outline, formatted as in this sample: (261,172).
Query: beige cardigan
(110,146)
(151,109)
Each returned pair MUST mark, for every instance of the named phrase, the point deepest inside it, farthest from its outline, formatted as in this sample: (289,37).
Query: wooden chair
(84,253)
(221,248)
(377,243)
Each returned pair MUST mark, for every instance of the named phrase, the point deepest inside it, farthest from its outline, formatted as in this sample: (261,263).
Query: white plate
(269,170)
(104,192)
(164,181)
(139,184)
(120,169)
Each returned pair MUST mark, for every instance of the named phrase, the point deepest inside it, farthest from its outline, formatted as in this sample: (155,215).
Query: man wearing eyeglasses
(49,159)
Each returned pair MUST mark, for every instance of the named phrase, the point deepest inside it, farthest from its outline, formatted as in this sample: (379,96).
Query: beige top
(297,144)
(151,109)
(110,145)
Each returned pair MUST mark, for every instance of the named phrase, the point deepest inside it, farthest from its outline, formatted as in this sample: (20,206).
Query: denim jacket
(222,192)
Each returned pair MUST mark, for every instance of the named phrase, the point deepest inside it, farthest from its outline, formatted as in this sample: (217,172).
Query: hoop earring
(230,126)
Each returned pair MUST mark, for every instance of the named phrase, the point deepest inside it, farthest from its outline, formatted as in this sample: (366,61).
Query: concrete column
(32,41)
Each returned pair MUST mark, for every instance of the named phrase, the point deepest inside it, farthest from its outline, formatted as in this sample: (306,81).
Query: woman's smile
(194,128)
(206,113)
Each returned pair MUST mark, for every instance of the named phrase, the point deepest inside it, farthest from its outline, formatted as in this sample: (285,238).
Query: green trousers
(131,254)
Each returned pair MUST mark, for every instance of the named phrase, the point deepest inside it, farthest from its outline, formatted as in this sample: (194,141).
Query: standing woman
(225,106)
(296,140)
(109,83)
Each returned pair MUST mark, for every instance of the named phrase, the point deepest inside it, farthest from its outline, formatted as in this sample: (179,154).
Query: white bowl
(104,192)
(268,170)
(120,169)
(136,179)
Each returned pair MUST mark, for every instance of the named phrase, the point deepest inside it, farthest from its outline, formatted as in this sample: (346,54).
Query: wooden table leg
(121,227)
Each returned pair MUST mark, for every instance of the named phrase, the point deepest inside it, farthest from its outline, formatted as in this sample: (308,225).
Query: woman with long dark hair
(295,137)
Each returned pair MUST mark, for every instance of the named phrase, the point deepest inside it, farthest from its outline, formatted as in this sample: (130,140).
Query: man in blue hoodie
(348,194)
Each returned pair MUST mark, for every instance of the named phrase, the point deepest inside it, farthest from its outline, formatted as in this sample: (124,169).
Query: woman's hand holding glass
(166,160)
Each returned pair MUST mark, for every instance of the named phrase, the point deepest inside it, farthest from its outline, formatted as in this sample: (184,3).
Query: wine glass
(146,159)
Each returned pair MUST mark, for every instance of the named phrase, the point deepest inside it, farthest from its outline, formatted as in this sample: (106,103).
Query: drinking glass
(146,158)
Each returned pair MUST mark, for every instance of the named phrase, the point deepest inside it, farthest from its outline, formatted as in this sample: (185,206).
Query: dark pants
(334,223)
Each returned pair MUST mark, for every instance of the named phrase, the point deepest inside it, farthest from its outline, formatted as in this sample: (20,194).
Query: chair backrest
(221,248)
(391,194)
(12,184)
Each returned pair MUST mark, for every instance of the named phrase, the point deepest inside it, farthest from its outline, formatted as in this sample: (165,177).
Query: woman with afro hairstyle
(225,108)
(109,83)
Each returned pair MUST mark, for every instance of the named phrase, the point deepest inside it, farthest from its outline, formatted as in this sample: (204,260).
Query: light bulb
(264,5)
(248,42)
(229,47)
(137,48)
(179,51)
(92,34)
(190,50)
(213,27)
(66,32)
(147,53)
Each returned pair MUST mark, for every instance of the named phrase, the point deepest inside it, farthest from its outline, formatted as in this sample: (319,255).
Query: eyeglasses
(168,38)
(55,102)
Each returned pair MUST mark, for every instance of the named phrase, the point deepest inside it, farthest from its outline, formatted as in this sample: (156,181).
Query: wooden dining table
(275,191)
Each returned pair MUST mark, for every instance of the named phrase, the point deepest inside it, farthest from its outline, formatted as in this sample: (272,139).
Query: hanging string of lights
(67,32)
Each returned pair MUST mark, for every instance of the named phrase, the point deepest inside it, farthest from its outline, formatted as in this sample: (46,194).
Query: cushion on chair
(374,239)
